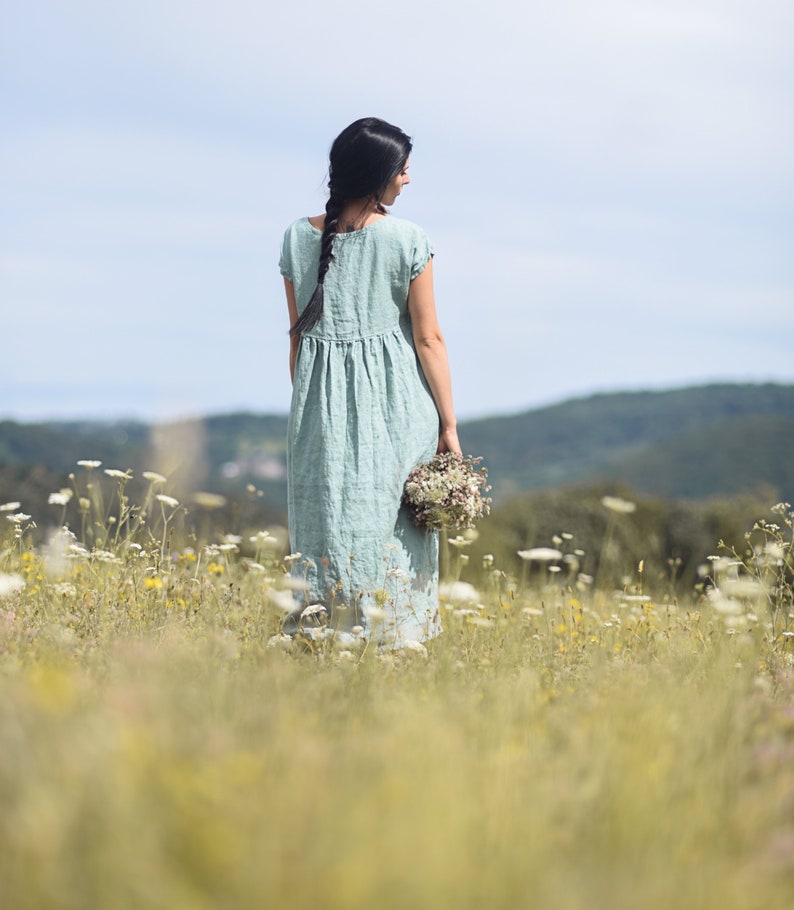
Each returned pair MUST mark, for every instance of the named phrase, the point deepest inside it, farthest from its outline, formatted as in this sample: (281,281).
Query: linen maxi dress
(361,417)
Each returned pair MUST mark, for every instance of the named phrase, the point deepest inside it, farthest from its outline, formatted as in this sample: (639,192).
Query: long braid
(314,308)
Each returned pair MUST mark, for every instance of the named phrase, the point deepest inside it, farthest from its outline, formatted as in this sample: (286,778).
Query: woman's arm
(432,352)
(294,340)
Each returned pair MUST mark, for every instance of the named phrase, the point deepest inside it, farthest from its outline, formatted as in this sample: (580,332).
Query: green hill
(684,443)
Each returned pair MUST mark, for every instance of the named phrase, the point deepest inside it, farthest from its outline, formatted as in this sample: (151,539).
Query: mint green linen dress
(361,417)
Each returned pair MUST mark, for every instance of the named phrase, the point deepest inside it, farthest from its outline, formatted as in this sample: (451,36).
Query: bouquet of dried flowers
(447,491)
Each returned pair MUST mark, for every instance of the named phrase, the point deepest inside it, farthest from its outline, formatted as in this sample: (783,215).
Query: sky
(608,187)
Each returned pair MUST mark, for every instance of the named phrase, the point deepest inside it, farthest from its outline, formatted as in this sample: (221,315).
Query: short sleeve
(285,264)
(422,253)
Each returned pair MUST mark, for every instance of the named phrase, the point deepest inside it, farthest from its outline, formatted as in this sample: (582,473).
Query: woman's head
(368,161)
(365,158)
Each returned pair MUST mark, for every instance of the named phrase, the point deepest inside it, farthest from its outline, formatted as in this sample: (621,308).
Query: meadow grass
(558,746)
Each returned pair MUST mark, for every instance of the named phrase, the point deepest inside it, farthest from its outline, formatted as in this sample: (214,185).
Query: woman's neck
(358,213)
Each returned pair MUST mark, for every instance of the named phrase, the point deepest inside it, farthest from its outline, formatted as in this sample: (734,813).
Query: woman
(371,396)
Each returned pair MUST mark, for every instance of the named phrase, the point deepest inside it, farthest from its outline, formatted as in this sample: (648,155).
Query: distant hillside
(683,443)
(686,443)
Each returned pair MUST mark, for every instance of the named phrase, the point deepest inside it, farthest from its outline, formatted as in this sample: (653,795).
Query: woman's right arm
(294,340)
(432,352)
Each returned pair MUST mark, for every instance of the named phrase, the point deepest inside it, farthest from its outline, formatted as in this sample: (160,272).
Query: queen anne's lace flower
(10,584)
(447,491)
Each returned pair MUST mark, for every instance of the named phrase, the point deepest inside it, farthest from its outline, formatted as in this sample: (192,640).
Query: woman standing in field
(371,396)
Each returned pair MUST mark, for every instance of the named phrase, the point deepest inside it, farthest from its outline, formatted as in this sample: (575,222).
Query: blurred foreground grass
(161,746)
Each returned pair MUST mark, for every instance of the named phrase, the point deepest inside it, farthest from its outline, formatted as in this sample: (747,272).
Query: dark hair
(365,157)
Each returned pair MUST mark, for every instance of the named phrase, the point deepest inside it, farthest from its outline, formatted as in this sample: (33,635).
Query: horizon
(606,393)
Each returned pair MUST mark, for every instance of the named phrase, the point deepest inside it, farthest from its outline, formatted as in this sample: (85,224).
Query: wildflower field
(565,743)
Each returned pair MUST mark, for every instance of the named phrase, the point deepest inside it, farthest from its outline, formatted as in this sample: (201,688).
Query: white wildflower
(314,610)
(209,500)
(727,606)
(89,464)
(105,556)
(292,583)
(57,551)
(65,589)
(61,498)
(734,622)
(540,554)
(774,550)
(10,506)
(167,500)
(10,584)
(376,615)
(18,518)
(153,477)
(414,647)
(282,600)
(616,504)
(459,592)
(117,474)
(744,587)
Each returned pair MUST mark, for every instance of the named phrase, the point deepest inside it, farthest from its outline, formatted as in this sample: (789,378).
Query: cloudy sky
(608,187)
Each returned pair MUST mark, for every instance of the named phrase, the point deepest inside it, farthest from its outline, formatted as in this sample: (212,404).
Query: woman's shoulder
(299,226)
(408,233)
(403,226)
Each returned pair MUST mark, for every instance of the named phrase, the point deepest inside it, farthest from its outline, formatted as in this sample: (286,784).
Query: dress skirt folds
(361,417)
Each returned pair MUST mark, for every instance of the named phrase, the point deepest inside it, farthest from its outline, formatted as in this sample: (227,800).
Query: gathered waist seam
(398,330)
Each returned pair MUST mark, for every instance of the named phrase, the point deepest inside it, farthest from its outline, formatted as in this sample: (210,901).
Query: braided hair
(365,157)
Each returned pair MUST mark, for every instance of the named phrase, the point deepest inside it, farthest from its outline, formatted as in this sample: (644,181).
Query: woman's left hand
(448,442)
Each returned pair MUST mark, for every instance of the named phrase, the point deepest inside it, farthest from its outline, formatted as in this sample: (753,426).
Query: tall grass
(559,746)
